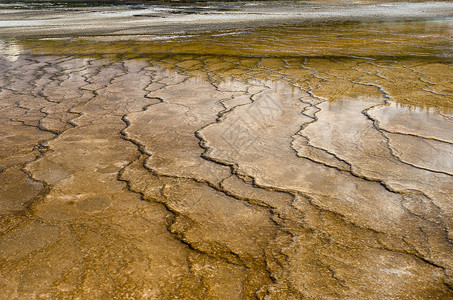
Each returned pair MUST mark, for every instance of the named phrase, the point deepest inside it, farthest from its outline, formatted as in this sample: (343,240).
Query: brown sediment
(199,171)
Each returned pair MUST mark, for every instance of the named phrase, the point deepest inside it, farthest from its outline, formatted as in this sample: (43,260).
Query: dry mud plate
(310,158)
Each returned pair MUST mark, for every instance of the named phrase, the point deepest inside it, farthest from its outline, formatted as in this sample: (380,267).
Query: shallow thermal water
(310,160)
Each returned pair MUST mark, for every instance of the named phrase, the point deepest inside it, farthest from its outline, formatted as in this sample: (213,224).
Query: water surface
(308,159)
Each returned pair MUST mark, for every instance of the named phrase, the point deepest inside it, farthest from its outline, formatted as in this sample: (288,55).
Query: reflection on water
(10,50)
(278,162)
(373,39)
(408,61)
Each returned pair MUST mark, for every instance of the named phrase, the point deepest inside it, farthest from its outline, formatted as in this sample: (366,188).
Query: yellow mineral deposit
(278,162)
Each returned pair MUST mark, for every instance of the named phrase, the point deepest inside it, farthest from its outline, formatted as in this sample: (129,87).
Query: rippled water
(284,161)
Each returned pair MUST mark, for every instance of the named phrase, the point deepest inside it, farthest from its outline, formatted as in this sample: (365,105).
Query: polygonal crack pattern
(219,177)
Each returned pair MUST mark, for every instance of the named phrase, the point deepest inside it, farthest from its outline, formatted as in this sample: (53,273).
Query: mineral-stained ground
(280,162)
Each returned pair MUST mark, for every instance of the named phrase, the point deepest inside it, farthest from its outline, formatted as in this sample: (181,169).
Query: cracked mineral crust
(272,162)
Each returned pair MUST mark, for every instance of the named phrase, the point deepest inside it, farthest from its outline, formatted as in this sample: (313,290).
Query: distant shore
(142,19)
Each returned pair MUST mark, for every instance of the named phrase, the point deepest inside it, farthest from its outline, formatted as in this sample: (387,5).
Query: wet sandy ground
(280,162)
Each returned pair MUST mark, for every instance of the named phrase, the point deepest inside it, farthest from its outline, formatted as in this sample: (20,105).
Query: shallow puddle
(272,162)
